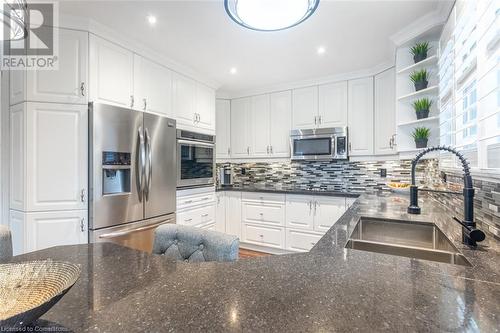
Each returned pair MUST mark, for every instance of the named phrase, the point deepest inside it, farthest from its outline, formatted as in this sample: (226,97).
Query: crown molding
(103,31)
(427,24)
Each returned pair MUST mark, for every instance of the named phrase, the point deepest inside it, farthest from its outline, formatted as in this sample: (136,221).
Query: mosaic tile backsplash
(359,177)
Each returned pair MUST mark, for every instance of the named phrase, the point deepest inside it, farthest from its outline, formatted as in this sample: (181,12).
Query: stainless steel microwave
(319,144)
(195,159)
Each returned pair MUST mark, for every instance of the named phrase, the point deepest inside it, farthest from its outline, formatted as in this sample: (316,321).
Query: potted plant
(422,107)
(419,51)
(421,136)
(419,79)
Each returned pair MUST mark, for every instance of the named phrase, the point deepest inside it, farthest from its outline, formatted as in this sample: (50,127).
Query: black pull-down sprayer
(470,235)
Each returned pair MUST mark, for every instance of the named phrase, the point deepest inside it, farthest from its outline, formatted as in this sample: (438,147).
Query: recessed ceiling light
(151,19)
(321,50)
(233,70)
(270,15)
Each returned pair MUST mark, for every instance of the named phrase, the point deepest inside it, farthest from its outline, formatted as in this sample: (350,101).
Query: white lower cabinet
(327,211)
(263,235)
(40,230)
(220,211)
(233,213)
(196,208)
(300,240)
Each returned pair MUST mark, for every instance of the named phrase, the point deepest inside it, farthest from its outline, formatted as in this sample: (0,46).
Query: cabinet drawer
(197,216)
(208,226)
(263,197)
(264,213)
(263,235)
(184,202)
(298,240)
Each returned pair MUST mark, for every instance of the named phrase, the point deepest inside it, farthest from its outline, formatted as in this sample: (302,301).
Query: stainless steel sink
(402,238)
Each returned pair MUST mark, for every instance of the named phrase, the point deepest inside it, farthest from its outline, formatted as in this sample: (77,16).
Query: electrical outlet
(243,171)
(383,173)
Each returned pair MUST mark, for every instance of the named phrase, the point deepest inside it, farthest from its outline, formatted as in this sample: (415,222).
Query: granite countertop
(286,189)
(328,289)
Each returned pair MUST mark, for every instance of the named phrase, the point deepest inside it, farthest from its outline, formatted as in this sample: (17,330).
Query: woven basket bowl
(29,289)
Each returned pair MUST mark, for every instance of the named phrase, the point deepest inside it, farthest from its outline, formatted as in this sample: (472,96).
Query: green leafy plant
(421,133)
(420,49)
(422,104)
(419,76)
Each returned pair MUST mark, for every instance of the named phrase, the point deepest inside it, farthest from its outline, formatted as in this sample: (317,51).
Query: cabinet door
(300,240)
(327,211)
(111,73)
(184,100)
(152,87)
(385,112)
(241,127)
(333,105)
(220,212)
(17,157)
(360,117)
(305,107)
(300,212)
(56,158)
(222,133)
(205,107)
(47,229)
(260,126)
(67,84)
(233,213)
(281,118)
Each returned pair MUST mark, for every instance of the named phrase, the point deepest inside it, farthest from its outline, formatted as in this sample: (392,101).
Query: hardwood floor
(245,254)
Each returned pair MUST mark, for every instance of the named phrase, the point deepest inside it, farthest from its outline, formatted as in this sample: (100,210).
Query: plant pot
(419,57)
(422,114)
(421,143)
(419,85)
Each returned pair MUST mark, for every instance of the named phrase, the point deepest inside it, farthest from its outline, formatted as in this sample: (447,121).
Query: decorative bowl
(399,187)
(29,289)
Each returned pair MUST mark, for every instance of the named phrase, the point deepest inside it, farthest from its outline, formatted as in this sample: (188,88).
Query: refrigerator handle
(141,162)
(149,164)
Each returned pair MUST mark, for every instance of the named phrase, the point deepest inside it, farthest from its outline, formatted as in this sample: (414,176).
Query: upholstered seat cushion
(192,244)
(5,244)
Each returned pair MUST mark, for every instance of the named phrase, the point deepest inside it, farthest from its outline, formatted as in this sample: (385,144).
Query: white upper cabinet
(241,127)
(261,126)
(360,116)
(280,122)
(223,129)
(111,73)
(152,87)
(333,105)
(54,157)
(66,84)
(385,112)
(305,108)
(205,107)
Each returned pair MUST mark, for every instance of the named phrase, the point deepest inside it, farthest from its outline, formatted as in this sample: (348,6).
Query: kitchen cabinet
(280,123)
(196,207)
(300,241)
(385,112)
(360,116)
(39,230)
(233,213)
(305,108)
(261,126)
(152,87)
(299,212)
(193,104)
(111,73)
(241,127)
(220,212)
(327,211)
(266,213)
(332,110)
(53,157)
(263,235)
(223,128)
(66,84)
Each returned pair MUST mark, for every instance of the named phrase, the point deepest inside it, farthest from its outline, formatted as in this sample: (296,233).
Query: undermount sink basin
(406,239)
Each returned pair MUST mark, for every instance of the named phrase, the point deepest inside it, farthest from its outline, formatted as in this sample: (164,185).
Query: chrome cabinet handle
(131,100)
(392,141)
(248,150)
(350,146)
(127,232)
(261,236)
(268,149)
(271,148)
(188,220)
(310,207)
(82,195)
(204,215)
(145,103)
(150,164)
(82,88)
(320,119)
(141,161)
(188,201)
(82,225)
(228,151)
(315,120)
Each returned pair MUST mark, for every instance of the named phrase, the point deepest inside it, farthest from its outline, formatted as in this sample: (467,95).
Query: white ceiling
(200,35)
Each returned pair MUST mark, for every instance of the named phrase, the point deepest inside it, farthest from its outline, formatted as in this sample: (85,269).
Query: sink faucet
(470,235)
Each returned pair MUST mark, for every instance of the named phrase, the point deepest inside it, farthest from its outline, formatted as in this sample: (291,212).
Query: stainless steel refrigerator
(132,177)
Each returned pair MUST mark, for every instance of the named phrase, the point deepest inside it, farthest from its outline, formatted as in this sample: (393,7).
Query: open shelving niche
(405,94)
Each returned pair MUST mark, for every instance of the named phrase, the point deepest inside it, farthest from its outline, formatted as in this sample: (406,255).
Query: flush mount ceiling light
(151,19)
(270,15)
